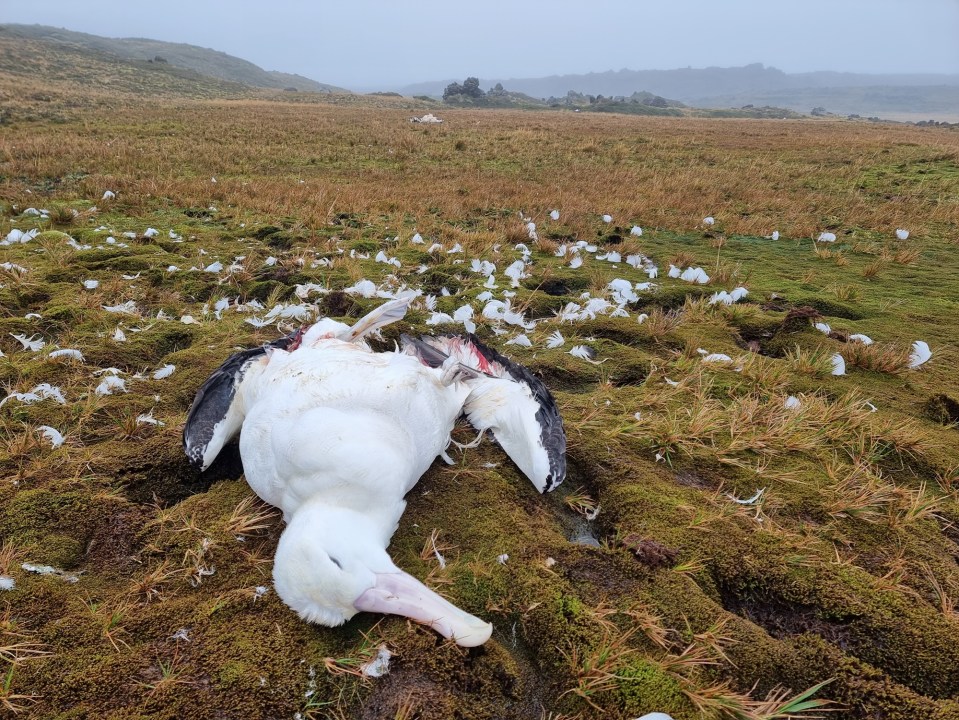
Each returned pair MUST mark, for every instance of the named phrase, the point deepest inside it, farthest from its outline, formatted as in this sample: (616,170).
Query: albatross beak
(401,594)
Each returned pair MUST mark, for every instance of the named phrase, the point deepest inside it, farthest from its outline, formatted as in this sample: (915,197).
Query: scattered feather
(164,372)
(749,501)
(49,570)
(364,288)
(148,419)
(520,340)
(439,318)
(127,308)
(53,435)
(717,358)
(34,343)
(694,275)
(838,365)
(584,352)
(66,353)
(378,666)
(920,354)
(111,384)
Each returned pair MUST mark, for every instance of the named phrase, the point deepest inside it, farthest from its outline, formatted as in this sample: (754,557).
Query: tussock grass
(884,358)
(816,362)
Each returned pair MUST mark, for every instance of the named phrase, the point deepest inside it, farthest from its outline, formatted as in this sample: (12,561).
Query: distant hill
(204,62)
(38,75)
(753,84)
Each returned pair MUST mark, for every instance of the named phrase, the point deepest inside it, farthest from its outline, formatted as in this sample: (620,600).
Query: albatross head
(527,427)
(330,564)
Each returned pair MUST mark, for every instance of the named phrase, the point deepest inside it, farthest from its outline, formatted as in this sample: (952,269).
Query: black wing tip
(198,430)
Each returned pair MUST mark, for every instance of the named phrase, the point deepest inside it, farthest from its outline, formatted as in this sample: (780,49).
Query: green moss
(61,551)
(643,687)
(831,308)
(33,515)
(145,348)
(439,277)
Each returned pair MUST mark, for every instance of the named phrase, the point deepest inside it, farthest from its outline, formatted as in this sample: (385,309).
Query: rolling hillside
(177,58)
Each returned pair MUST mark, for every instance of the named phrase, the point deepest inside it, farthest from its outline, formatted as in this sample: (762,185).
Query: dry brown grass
(872,270)
(884,358)
(662,322)
(677,183)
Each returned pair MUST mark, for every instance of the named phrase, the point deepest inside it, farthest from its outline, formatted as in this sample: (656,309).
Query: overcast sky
(370,44)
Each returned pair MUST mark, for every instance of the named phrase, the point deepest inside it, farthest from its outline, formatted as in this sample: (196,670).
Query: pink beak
(401,594)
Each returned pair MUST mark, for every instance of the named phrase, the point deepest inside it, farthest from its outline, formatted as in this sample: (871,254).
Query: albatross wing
(507,399)
(214,419)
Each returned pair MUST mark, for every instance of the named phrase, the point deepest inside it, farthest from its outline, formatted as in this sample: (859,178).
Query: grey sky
(365,44)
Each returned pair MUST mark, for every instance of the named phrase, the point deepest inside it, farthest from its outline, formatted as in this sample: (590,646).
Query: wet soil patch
(783,620)
(630,374)
(433,683)
(339,304)
(157,469)
(942,409)
(556,288)
(113,541)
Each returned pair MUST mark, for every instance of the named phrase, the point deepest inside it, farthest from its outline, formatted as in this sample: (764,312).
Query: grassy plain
(675,598)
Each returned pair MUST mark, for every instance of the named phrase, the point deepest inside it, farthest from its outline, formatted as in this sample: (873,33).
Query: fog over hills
(755,84)
(157,64)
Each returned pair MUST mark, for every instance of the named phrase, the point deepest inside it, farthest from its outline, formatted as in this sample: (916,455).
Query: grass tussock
(882,358)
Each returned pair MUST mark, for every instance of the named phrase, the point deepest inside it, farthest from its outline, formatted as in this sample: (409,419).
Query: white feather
(920,354)
(164,372)
(838,365)
(67,353)
(53,435)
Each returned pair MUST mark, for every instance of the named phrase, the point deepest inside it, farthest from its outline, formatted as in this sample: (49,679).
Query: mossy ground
(847,568)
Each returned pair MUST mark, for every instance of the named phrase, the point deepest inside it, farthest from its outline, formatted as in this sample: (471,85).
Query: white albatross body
(335,435)
(319,411)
